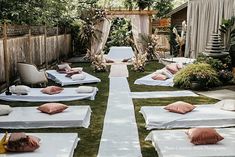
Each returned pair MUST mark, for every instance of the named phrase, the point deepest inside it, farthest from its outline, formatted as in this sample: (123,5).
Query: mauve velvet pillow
(180,107)
(52,90)
(173,68)
(20,142)
(202,136)
(160,77)
(52,108)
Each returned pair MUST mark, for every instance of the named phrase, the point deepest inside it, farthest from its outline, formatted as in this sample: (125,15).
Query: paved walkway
(120,133)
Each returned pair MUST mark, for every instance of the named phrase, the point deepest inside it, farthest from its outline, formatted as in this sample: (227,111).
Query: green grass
(146,146)
(90,138)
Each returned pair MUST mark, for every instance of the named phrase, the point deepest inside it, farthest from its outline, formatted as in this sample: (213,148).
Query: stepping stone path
(120,133)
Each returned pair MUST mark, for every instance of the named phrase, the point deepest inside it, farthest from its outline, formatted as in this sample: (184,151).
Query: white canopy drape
(139,23)
(204,18)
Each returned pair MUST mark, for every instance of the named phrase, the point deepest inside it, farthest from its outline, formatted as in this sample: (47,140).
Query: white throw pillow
(85,89)
(5,110)
(20,89)
(226,104)
(64,66)
(78,77)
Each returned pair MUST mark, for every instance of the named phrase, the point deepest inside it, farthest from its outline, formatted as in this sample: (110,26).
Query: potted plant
(228,30)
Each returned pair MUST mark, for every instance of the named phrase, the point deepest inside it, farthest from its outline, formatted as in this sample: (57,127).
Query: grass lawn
(90,138)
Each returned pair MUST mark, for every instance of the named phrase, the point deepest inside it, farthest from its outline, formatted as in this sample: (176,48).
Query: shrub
(201,73)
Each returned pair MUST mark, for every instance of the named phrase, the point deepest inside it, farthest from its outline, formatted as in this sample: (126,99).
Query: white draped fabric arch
(204,18)
(139,23)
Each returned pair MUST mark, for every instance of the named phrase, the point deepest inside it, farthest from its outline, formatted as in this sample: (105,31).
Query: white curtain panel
(204,18)
(104,27)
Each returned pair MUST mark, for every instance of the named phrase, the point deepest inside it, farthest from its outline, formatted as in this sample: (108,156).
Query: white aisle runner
(120,133)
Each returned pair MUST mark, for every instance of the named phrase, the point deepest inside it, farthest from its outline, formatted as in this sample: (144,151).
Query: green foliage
(163,7)
(202,73)
(120,34)
(142,4)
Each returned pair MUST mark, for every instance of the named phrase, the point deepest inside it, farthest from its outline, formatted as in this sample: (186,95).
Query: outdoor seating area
(88,78)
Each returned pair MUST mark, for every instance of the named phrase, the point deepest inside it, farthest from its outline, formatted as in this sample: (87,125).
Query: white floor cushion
(147,80)
(35,95)
(203,115)
(175,143)
(30,117)
(64,81)
(51,145)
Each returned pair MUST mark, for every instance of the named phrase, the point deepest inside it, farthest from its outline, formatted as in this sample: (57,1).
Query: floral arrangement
(98,61)
(139,61)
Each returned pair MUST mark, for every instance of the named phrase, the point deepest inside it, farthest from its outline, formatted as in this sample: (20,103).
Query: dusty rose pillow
(52,90)
(20,142)
(202,136)
(52,108)
(159,77)
(180,107)
(72,72)
(173,68)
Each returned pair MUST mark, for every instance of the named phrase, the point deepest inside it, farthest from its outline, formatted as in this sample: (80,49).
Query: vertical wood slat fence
(38,45)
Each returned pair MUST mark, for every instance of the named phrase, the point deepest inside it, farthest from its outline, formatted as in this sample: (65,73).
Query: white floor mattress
(35,95)
(30,117)
(120,53)
(147,80)
(64,81)
(175,143)
(204,115)
(51,145)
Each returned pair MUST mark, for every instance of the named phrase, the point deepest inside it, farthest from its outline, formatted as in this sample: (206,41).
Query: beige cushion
(165,72)
(20,89)
(202,136)
(78,77)
(85,89)
(52,108)
(5,110)
(180,107)
(64,66)
(226,104)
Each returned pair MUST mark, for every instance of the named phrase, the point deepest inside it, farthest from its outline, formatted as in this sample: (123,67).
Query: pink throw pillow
(180,107)
(202,136)
(20,142)
(52,90)
(173,68)
(159,77)
(52,108)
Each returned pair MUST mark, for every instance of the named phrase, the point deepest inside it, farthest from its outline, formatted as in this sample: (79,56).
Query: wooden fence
(38,45)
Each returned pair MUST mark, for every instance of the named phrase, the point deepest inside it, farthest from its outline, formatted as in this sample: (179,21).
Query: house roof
(181,7)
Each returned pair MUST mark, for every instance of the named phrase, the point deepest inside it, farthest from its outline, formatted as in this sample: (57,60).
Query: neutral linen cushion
(64,66)
(5,110)
(20,142)
(180,107)
(52,108)
(173,68)
(159,77)
(85,89)
(19,89)
(202,136)
(226,104)
(51,90)
(78,77)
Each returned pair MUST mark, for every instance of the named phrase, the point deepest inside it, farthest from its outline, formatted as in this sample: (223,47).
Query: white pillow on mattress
(78,77)
(226,104)
(85,89)
(64,66)
(20,89)
(5,110)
